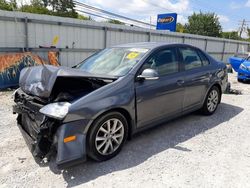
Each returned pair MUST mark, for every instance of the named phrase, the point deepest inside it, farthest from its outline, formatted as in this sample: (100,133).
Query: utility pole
(150,22)
(242,27)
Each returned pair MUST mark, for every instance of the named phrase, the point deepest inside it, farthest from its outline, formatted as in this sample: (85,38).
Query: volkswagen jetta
(90,110)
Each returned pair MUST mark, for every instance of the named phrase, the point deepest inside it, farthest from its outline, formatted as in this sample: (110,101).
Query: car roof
(150,45)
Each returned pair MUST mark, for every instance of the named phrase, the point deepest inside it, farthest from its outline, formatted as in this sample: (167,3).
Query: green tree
(35,9)
(45,3)
(64,8)
(35,6)
(81,17)
(113,21)
(179,28)
(204,24)
(11,5)
(230,35)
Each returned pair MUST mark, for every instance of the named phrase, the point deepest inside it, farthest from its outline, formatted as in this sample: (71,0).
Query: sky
(230,12)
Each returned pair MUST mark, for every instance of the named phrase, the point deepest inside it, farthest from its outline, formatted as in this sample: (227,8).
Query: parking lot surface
(191,151)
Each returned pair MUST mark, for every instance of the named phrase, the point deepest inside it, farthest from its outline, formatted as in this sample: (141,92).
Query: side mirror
(148,74)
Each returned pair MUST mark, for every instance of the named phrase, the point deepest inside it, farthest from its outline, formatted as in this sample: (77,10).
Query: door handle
(180,82)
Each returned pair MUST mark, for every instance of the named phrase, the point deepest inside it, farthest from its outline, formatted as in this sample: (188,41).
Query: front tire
(212,101)
(107,136)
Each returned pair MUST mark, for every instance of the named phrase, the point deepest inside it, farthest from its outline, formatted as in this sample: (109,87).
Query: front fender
(73,152)
(116,95)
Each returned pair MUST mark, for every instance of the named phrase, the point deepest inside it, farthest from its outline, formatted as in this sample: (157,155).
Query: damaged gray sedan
(90,110)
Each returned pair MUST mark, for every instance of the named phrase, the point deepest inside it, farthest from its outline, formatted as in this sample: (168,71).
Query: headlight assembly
(14,93)
(56,110)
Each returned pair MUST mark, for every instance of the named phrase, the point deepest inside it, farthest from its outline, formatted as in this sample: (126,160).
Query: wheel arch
(212,85)
(219,87)
(122,111)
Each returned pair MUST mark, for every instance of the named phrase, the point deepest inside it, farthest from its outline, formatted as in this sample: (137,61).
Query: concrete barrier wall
(79,39)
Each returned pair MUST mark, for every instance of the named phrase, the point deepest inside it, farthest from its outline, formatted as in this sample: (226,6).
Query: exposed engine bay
(38,129)
(69,89)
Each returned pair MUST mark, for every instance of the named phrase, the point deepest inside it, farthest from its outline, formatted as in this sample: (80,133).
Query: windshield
(113,61)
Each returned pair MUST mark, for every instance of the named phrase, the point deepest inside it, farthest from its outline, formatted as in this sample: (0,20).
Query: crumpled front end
(42,104)
(47,81)
(37,129)
(43,135)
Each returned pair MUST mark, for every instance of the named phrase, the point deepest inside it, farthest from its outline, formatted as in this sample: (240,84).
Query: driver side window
(164,62)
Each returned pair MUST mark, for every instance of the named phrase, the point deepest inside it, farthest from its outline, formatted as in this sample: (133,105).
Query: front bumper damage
(43,135)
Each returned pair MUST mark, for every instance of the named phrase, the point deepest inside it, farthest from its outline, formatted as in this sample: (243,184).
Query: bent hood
(39,80)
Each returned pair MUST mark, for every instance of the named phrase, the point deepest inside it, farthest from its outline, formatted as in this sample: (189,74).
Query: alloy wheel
(109,136)
(212,100)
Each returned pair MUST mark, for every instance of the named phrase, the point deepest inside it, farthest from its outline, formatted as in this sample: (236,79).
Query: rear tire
(212,101)
(107,136)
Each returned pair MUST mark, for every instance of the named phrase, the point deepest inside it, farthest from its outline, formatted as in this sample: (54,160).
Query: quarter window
(204,59)
(191,58)
(164,61)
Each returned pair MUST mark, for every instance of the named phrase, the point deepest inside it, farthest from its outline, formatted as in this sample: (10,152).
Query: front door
(158,99)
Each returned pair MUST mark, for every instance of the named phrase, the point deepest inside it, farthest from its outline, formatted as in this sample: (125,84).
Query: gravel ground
(192,151)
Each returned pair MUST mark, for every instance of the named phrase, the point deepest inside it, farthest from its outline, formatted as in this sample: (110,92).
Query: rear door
(158,99)
(197,76)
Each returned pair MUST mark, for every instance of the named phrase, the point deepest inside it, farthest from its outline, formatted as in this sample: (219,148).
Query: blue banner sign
(166,22)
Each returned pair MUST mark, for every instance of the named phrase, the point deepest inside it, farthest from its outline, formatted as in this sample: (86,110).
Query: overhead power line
(104,17)
(160,7)
(92,14)
(156,5)
(98,10)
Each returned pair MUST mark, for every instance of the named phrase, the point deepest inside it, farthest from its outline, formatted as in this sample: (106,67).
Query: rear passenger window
(191,58)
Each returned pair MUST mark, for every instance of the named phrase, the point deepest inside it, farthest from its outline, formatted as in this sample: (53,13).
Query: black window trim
(200,52)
